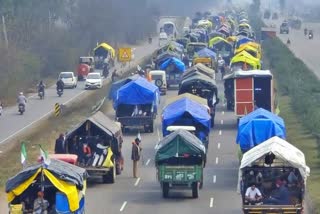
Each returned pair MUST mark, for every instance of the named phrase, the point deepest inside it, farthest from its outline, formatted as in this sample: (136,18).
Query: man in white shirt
(253,195)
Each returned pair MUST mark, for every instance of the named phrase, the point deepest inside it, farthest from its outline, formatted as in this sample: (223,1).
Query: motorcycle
(21,109)
(310,36)
(41,95)
(59,92)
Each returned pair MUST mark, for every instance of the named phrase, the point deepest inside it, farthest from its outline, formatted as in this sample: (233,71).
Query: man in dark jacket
(60,147)
(135,155)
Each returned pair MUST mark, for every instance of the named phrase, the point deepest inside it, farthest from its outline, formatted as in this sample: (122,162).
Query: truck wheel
(165,189)
(110,177)
(118,168)
(195,190)
(151,128)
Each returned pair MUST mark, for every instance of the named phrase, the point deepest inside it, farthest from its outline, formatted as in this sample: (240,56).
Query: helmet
(21,93)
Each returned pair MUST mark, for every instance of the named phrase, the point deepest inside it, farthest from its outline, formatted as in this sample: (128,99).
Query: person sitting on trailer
(40,205)
(253,195)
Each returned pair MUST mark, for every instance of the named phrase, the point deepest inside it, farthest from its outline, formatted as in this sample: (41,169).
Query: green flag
(23,154)
(44,156)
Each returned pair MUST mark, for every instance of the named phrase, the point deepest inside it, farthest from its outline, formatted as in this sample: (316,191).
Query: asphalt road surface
(12,124)
(144,195)
(304,48)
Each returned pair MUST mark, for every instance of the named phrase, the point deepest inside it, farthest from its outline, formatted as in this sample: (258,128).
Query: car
(94,80)
(69,79)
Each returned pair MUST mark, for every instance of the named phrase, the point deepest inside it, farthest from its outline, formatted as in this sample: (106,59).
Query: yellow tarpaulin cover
(216,40)
(245,25)
(253,44)
(70,190)
(108,162)
(245,57)
(22,187)
(107,47)
(249,49)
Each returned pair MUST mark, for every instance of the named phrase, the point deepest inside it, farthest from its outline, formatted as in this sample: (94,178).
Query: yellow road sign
(125,54)
(57,109)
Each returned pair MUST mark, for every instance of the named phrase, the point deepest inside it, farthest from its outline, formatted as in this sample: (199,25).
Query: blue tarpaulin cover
(172,60)
(137,92)
(257,127)
(118,84)
(243,41)
(206,52)
(175,112)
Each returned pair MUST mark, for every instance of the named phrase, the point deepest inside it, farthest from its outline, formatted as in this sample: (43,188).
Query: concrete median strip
(123,206)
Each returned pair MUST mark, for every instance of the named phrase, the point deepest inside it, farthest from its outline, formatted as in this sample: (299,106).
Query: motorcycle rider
(22,100)
(305,31)
(288,42)
(60,84)
(41,87)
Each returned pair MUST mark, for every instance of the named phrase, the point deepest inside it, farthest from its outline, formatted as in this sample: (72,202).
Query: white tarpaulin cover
(284,151)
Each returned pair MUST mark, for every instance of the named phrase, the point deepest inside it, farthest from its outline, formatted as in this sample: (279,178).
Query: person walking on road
(135,155)
(60,147)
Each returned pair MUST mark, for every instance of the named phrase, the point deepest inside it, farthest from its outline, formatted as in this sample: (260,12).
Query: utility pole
(5,31)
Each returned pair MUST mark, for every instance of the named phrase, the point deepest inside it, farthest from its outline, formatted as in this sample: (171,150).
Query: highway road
(303,48)
(144,195)
(12,124)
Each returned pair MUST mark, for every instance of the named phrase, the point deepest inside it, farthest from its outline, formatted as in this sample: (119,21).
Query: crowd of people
(262,191)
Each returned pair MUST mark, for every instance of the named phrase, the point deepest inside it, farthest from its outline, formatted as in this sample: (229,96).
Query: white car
(69,79)
(94,80)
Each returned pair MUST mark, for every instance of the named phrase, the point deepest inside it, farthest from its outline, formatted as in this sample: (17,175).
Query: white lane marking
(211,202)
(222,112)
(219,145)
(221,122)
(214,179)
(1,152)
(45,115)
(217,160)
(123,206)
(137,181)
(148,161)
(220,132)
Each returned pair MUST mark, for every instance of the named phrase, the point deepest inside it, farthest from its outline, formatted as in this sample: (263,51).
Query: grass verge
(299,136)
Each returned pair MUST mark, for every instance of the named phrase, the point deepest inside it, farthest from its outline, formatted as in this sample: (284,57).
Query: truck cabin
(143,110)
(273,182)
(169,28)
(86,60)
